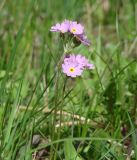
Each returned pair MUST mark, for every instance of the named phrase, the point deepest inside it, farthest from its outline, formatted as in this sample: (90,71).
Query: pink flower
(72,69)
(83,39)
(76,28)
(84,62)
(74,65)
(70,59)
(63,27)
(55,28)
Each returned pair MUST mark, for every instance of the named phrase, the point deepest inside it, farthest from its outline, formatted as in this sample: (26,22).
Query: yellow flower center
(72,69)
(73,30)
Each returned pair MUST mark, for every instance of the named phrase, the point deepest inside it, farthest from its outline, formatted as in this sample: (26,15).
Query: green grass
(92,117)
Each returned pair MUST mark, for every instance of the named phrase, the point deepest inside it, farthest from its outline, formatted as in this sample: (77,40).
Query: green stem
(55,112)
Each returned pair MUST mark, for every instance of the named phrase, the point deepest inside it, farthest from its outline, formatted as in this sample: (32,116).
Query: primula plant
(71,64)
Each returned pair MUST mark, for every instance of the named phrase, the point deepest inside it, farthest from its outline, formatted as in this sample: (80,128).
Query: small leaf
(70,152)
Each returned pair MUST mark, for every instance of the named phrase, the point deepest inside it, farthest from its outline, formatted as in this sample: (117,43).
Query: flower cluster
(74,65)
(74,28)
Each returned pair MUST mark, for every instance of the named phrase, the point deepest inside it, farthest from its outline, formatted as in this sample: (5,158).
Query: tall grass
(43,114)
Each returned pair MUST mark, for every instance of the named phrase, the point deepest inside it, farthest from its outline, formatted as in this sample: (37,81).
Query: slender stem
(61,114)
(61,108)
(55,112)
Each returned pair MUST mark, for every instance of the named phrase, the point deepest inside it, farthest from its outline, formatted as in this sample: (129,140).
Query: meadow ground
(46,115)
